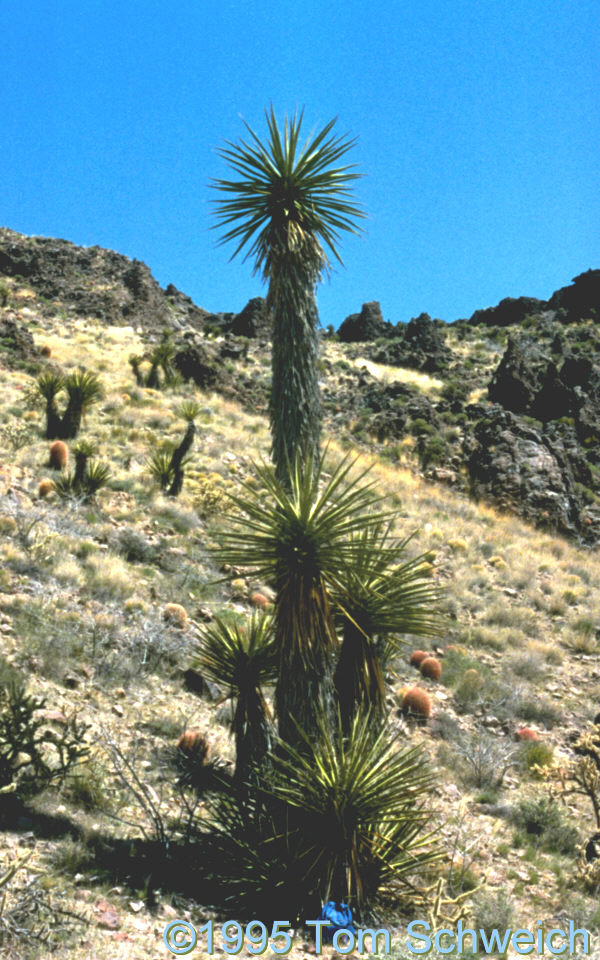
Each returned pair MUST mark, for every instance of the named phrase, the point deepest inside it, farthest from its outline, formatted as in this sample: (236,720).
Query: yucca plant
(378,599)
(297,538)
(83,391)
(49,385)
(188,410)
(242,658)
(88,477)
(291,203)
(159,465)
(356,806)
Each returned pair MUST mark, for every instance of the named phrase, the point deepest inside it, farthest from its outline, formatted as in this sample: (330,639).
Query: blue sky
(478,126)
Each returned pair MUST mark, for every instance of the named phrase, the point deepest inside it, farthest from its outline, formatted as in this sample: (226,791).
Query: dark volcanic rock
(16,342)
(88,280)
(427,344)
(201,362)
(423,347)
(508,312)
(364,326)
(253,321)
(554,399)
(518,378)
(580,300)
(517,466)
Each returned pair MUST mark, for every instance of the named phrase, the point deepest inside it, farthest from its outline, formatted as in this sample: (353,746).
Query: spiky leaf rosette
(358,809)
(297,538)
(244,659)
(49,385)
(379,598)
(84,389)
(290,204)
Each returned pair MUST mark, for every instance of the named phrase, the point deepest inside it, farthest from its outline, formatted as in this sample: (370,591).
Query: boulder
(518,378)
(508,312)
(422,347)
(580,300)
(16,342)
(253,321)
(513,464)
(364,326)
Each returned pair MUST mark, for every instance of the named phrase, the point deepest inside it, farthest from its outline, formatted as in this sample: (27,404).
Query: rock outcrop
(364,326)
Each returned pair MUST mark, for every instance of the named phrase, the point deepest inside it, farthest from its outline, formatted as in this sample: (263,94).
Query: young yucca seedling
(83,390)
(244,659)
(85,482)
(159,465)
(49,385)
(96,477)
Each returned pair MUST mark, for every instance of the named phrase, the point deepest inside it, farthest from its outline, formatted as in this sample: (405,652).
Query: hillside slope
(85,622)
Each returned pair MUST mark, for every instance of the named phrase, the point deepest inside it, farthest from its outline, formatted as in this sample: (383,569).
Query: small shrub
(485,759)
(543,818)
(431,668)
(469,690)
(420,428)
(537,754)
(32,754)
(492,910)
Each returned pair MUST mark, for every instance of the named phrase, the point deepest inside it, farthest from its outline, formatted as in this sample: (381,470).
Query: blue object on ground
(339,916)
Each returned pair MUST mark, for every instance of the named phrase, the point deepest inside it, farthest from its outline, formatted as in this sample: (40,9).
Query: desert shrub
(484,759)
(433,451)
(492,910)
(32,754)
(420,428)
(536,753)
(469,690)
(546,820)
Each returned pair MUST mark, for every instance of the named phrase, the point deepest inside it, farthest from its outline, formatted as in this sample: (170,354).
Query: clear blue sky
(478,125)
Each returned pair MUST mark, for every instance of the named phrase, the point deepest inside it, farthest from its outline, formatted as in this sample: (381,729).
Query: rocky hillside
(507,408)
(102,597)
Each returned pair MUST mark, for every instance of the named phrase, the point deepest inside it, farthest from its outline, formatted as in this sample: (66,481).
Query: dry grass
(77,602)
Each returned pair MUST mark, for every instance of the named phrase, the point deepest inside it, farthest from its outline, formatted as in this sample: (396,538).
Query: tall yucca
(291,203)
(297,537)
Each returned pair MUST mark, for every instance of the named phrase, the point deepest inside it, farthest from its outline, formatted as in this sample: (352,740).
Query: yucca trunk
(71,421)
(252,736)
(53,421)
(306,637)
(294,406)
(177,459)
(358,676)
